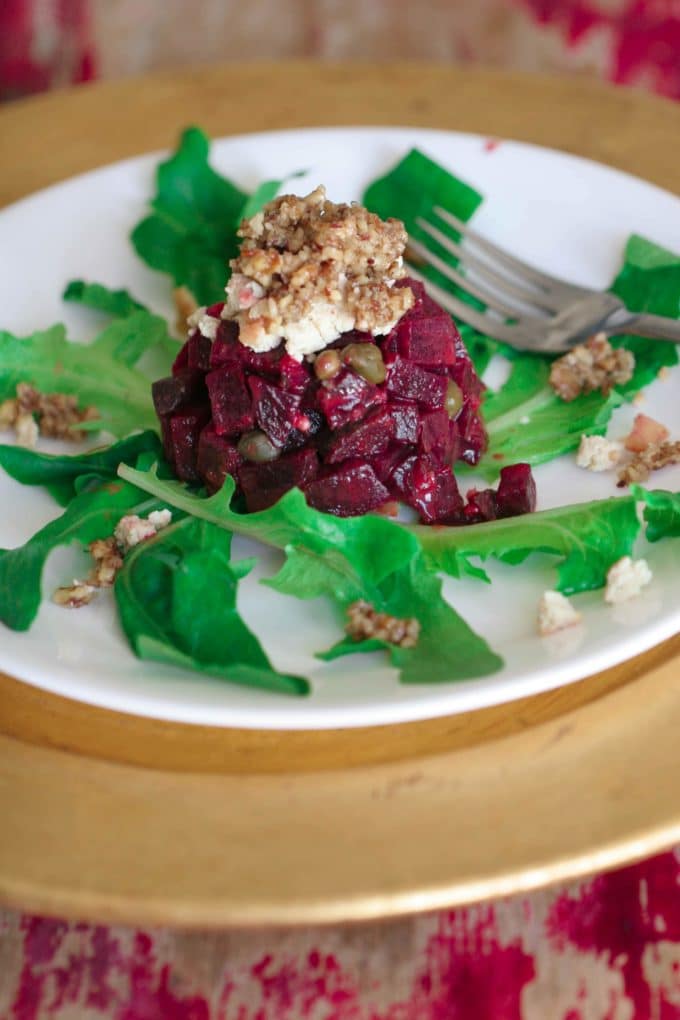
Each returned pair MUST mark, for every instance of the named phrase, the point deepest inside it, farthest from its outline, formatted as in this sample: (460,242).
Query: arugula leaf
(118,303)
(176,596)
(348,558)
(588,538)
(102,373)
(649,281)
(58,472)
(661,512)
(92,514)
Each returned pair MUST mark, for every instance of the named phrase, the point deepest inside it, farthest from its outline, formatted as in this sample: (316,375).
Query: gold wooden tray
(117,818)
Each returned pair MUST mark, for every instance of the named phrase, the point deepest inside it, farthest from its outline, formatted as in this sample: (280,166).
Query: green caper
(366,360)
(327,364)
(453,401)
(257,447)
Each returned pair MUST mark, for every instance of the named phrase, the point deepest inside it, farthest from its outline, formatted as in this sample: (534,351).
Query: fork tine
(489,298)
(511,262)
(528,294)
(520,336)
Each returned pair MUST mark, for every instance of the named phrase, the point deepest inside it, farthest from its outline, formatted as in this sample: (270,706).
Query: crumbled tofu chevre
(555,612)
(594,365)
(310,270)
(625,580)
(598,454)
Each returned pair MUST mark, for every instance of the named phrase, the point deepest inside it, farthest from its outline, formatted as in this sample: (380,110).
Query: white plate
(569,215)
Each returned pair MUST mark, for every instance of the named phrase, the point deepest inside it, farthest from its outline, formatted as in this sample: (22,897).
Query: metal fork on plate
(525,307)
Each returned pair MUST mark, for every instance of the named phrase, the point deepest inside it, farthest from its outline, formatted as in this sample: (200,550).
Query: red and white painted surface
(603,949)
(51,42)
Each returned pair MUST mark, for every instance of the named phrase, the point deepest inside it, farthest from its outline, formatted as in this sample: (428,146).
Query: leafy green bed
(166,591)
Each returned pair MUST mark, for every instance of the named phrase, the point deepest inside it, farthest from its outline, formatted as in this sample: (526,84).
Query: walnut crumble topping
(363,622)
(32,414)
(310,270)
(108,555)
(594,365)
(652,458)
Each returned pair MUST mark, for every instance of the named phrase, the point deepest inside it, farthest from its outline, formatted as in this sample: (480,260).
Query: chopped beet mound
(350,443)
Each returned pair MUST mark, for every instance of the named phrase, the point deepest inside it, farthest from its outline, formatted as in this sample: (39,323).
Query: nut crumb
(75,595)
(53,415)
(364,622)
(107,562)
(594,365)
(652,458)
(185,306)
(26,430)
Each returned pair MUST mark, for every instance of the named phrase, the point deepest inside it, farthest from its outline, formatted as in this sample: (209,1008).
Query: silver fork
(525,307)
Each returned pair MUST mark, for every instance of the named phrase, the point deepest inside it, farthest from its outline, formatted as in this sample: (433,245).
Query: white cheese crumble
(625,580)
(207,325)
(160,518)
(131,529)
(555,612)
(598,454)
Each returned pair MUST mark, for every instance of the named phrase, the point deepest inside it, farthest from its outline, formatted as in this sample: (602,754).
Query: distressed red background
(605,949)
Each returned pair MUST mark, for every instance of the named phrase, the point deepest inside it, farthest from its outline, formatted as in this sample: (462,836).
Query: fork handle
(656,327)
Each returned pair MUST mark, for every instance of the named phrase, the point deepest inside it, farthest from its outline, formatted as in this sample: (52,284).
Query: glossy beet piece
(427,340)
(411,382)
(406,422)
(353,489)
(429,488)
(264,484)
(472,438)
(516,493)
(198,352)
(347,398)
(232,406)
(437,436)
(366,440)
(276,412)
(217,458)
(184,429)
(170,393)
(480,506)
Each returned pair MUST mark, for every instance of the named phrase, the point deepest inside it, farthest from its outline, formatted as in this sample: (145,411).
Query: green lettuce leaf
(118,303)
(649,281)
(59,472)
(587,538)
(348,558)
(92,514)
(191,233)
(104,373)
(176,596)
(661,512)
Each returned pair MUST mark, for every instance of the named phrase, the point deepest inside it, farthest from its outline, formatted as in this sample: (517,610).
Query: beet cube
(224,347)
(463,373)
(353,489)
(427,340)
(230,399)
(473,438)
(365,440)
(184,431)
(294,375)
(181,362)
(198,351)
(412,382)
(436,435)
(217,458)
(348,398)
(480,506)
(277,476)
(277,412)
(516,493)
(430,489)
(406,422)
(170,393)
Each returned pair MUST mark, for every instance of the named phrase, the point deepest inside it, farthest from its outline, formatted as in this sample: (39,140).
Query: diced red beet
(294,375)
(181,362)
(170,393)
(436,435)
(427,341)
(463,373)
(411,382)
(406,422)
(365,440)
(348,398)
(232,407)
(276,412)
(184,431)
(217,458)
(351,490)
(225,346)
(429,488)
(516,493)
(480,506)
(198,351)
(277,476)
(471,433)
